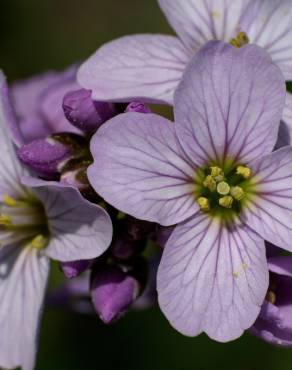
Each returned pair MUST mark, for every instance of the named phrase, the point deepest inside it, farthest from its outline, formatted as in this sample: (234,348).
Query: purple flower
(274,324)
(151,66)
(38,221)
(213,173)
(38,104)
(73,269)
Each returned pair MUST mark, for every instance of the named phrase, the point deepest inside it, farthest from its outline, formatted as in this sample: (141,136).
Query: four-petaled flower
(214,174)
(151,66)
(38,221)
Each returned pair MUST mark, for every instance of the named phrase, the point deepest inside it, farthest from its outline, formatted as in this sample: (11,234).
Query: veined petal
(285,131)
(199,21)
(269,24)
(212,278)
(10,169)
(269,212)
(143,67)
(78,229)
(229,104)
(23,279)
(140,169)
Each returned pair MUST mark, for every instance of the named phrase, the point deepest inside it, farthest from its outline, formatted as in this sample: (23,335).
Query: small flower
(38,221)
(274,324)
(213,276)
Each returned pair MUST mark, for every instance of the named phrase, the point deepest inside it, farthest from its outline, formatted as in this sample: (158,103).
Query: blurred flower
(213,174)
(274,324)
(85,113)
(38,221)
(38,104)
(151,66)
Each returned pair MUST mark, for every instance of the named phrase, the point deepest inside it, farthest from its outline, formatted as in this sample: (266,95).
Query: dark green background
(36,35)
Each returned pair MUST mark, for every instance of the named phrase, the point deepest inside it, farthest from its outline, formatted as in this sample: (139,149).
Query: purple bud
(45,156)
(75,268)
(113,292)
(138,107)
(85,113)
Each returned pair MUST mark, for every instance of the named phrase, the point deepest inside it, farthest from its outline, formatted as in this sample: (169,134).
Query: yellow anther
(210,183)
(5,220)
(226,201)
(237,192)
(240,40)
(271,297)
(9,201)
(244,171)
(216,171)
(223,188)
(204,203)
(39,242)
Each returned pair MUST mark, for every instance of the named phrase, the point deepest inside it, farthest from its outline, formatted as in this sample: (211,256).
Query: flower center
(220,191)
(240,40)
(23,220)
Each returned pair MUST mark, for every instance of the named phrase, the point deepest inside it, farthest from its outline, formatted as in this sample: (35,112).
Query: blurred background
(52,34)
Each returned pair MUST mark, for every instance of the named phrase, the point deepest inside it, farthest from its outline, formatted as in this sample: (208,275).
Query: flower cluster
(130,202)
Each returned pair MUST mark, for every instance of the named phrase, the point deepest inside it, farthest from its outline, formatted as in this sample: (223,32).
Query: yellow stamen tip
(226,201)
(210,183)
(240,40)
(223,188)
(39,242)
(5,220)
(237,192)
(216,171)
(9,201)
(244,171)
(204,204)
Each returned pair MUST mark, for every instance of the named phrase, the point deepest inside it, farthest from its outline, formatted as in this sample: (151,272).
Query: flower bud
(138,107)
(113,291)
(75,268)
(84,113)
(45,156)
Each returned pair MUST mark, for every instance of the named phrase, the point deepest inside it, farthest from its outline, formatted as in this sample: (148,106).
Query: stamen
(39,242)
(237,192)
(223,188)
(5,220)
(210,183)
(244,171)
(9,201)
(204,204)
(271,297)
(240,40)
(226,201)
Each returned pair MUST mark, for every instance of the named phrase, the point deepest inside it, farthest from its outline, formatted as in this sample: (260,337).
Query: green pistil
(240,40)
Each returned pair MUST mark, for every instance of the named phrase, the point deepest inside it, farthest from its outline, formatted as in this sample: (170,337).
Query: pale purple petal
(10,169)
(285,131)
(269,210)
(229,104)
(269,24)
(281,265)
(212,278)
(23,279)
(78,229)
(141,170)
(199,21)
(143,67)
